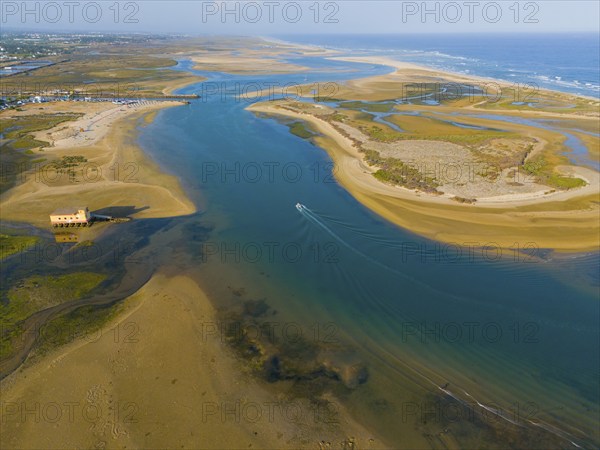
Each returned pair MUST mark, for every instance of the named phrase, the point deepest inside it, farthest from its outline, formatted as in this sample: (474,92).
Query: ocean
(564,62)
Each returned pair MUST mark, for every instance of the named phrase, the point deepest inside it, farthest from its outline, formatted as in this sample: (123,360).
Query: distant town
(22,53)
(18,46)
(61,97)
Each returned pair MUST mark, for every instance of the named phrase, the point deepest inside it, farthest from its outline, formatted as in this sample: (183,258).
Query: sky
(272,17)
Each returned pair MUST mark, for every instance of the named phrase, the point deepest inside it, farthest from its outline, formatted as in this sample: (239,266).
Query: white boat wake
(311,216)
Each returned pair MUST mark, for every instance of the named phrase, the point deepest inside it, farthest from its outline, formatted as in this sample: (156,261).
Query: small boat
(300,207)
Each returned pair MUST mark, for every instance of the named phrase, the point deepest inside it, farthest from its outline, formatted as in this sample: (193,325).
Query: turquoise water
(516,331)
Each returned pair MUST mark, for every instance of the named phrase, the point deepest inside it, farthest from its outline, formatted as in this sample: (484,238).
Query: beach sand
(244,65)
(158,376)
(264,57)
(117,173)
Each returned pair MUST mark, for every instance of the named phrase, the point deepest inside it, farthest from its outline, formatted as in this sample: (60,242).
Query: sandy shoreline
(117,173)
(145,395)
(451,76)
(409,72)
(502,221)
(364,172)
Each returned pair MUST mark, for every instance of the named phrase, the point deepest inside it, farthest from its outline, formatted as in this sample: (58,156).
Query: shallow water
(516,329)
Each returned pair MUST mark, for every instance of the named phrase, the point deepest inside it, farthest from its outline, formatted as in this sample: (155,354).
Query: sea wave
(575,84)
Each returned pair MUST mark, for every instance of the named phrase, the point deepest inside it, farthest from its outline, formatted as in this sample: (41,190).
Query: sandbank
(565,220)
(117,173)
(126,387)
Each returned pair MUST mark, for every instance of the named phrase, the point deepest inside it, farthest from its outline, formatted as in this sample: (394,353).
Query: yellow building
(71,217)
